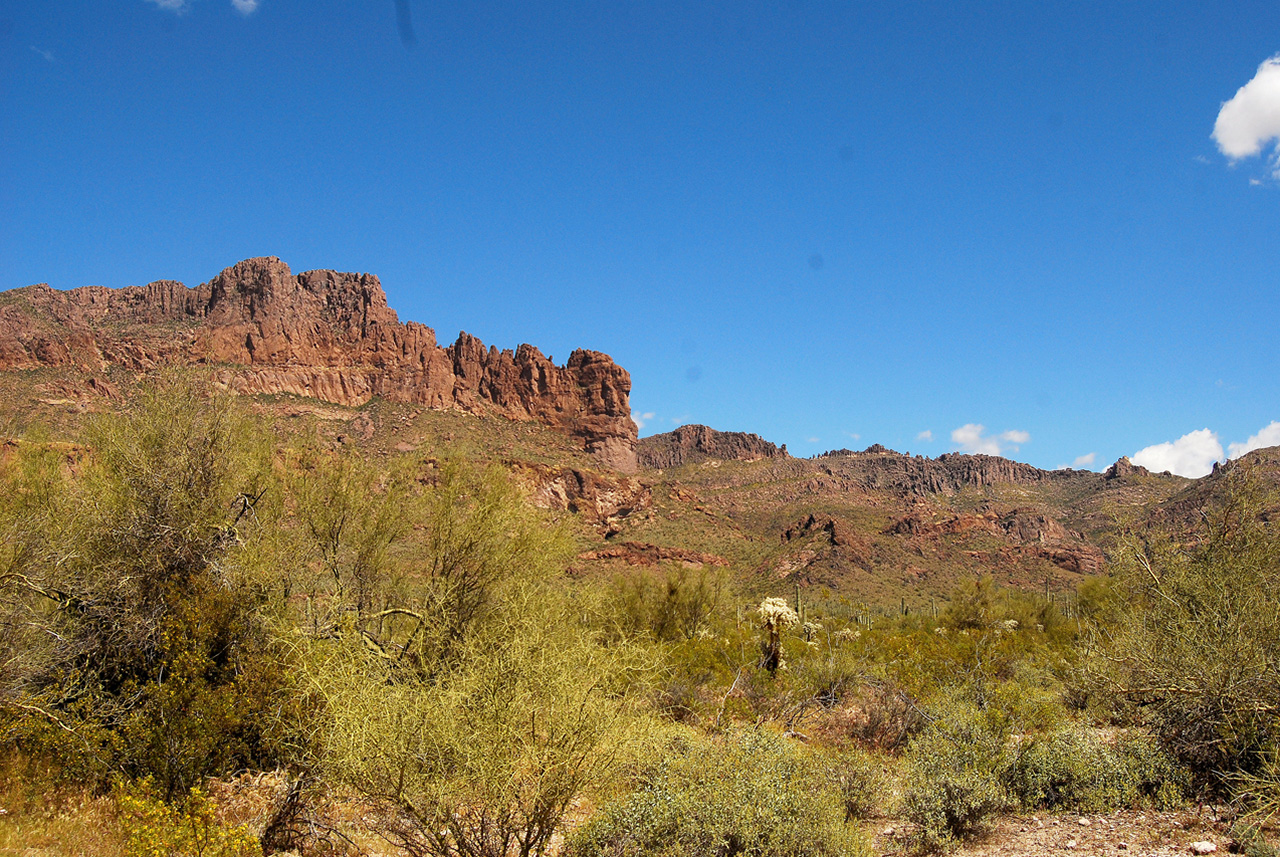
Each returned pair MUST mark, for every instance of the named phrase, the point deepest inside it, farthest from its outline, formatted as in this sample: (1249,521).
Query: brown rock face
(320,334)
(694,444)
(879,469)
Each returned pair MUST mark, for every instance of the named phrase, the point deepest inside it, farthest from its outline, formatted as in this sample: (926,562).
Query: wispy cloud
(926,436)
(641,420)
(182,7)
(1191,455)
(972,438)
(1080,461)
(1269,436)
(48,55)
(811,439)
(1250,121)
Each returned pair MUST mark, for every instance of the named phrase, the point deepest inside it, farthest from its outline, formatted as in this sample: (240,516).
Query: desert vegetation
(219,638)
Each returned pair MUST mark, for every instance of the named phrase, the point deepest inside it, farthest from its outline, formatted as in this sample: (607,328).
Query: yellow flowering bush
(190,828)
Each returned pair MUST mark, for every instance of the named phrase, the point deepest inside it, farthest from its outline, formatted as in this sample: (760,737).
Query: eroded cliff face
(320,334)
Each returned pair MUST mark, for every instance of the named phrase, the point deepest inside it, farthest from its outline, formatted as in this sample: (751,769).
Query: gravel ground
(1119,834)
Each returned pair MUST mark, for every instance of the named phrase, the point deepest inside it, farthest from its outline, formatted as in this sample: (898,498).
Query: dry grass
(43,818)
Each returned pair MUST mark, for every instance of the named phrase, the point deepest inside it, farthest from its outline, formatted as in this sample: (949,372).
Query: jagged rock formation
(319,334)
(1124,467)
(694,444)
(881,469)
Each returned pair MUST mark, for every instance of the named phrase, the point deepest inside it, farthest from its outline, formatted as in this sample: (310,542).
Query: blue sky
(998,227)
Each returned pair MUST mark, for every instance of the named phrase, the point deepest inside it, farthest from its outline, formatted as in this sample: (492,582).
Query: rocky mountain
(319,334)
(694,444)
(885,526)
(873,525)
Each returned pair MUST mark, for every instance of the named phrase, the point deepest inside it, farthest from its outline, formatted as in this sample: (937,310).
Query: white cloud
(1269,436)
(1250,121)
(1191,455)
(926,435)
(811,439)
(642,419)
(246,7)
(179,6)
(971,438)
(48,55)
(854,435)
(1085,460)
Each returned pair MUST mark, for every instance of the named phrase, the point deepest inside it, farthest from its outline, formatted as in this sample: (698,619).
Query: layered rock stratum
(320,334)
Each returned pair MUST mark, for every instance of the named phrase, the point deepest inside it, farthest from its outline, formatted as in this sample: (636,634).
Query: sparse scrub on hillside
(182,599)
(668,604)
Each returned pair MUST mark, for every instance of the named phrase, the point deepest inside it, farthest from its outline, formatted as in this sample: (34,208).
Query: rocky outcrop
(320,334)
(695,444)
(881,469)
(1124,467)
(836,532)
(597,498)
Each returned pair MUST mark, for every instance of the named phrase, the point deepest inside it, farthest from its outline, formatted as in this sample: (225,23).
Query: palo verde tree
(1193,641)
(473,728)
(148,595)
(351,517)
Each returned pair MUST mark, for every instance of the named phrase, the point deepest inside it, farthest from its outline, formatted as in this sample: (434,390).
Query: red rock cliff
(321,334)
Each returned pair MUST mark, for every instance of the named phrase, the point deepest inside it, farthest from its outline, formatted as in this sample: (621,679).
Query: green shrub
(956,773)
(1077,770)
(485,754)
(861,783)
(671,604)
(747,793)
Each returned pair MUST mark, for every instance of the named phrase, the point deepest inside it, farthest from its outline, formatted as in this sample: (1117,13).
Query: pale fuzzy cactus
(776,614)
(844,635)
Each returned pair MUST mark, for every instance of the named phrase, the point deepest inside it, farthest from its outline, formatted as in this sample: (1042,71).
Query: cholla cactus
(845,635)
(811,630)
(775,614)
